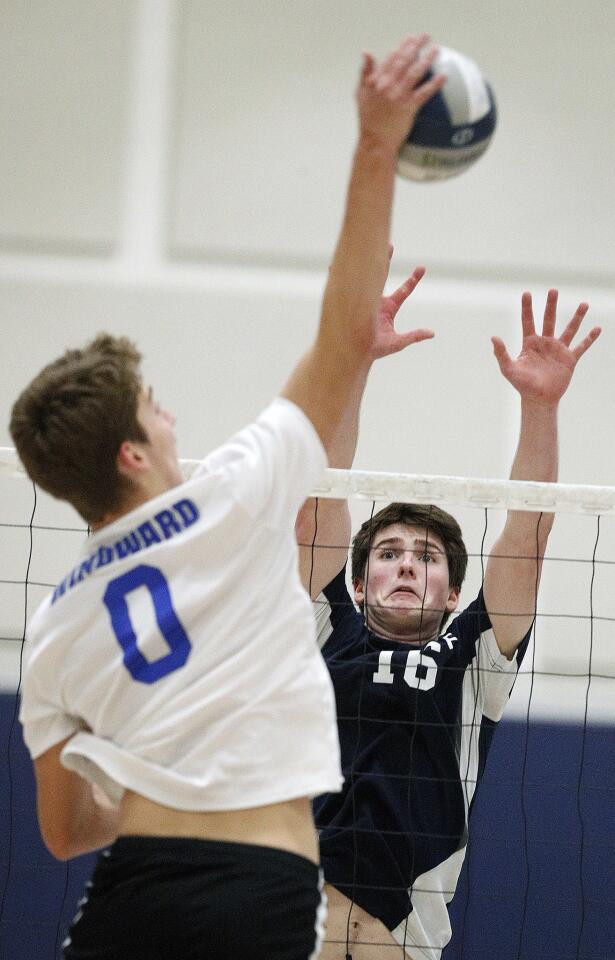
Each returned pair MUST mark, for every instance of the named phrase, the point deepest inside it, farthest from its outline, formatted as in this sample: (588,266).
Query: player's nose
(406,563)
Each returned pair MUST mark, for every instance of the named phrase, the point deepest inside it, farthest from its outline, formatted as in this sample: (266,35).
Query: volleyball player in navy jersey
(175,665)
(417,699)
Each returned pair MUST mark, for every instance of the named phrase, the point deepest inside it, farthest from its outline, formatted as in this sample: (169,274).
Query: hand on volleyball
(388,340)
(542,371)
(391,93)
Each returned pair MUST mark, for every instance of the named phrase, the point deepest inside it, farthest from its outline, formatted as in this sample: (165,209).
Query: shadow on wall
(538,880)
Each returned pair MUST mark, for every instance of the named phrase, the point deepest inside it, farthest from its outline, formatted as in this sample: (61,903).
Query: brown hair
(419,515)
(70,421)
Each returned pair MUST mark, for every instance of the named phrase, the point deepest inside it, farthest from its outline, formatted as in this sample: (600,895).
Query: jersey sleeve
(273,464)
(332,606)
(43,720)
(496,674)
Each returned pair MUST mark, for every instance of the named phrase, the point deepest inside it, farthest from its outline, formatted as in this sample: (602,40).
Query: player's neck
(417,634)
(140,495)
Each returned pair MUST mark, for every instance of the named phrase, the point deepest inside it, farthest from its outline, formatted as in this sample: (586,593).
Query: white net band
(424,488)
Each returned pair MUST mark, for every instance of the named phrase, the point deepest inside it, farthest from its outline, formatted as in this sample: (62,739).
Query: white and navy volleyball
(455,127)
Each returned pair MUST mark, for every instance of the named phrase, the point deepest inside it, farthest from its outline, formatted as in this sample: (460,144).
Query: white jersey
(184,642)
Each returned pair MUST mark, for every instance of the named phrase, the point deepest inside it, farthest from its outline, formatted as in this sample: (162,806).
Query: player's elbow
(59,842)
(63,853)
(58,831)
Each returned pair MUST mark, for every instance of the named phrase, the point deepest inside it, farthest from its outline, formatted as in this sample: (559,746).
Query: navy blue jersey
(415,723)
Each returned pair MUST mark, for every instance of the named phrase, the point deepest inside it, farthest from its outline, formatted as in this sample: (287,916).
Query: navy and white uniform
(415,724)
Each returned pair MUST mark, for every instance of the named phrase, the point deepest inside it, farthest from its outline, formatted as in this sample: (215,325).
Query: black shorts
(168,898)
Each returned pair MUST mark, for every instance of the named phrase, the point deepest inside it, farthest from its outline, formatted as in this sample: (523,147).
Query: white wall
(175,170)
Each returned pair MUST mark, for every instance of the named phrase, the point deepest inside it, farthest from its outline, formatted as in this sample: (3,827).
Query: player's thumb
(367,65)
(501,353)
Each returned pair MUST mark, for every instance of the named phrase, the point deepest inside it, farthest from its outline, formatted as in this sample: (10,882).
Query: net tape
(425,488)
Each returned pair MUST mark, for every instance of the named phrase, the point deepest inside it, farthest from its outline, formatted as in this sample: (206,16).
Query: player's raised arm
(334,371)
(323,529)
(541,374)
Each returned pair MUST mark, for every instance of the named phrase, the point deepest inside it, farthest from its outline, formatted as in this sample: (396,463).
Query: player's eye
(388,554)
(427,557)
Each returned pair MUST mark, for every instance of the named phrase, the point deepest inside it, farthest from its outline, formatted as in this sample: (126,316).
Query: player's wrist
(378,146)
(539,406)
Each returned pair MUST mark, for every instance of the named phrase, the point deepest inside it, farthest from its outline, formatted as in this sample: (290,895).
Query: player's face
(159,425)
(407,584)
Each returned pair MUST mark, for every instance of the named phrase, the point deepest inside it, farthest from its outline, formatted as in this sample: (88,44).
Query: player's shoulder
(281,420)
(337,618)
(469,624)
(339,601)
(273,463)
(36,628)
(48,635)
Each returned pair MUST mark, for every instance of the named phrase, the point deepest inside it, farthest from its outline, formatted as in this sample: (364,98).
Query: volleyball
(454,128)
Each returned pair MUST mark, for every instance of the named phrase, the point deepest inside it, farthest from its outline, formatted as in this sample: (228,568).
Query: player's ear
(453,599)
(131,458)
(359,591)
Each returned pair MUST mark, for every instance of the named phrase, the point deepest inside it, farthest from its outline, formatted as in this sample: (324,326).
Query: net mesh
(538,868)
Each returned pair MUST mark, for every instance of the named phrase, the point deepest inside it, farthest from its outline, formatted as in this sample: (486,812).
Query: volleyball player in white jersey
(175,665)
(417,706)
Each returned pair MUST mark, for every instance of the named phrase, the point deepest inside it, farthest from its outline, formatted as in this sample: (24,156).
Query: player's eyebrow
(420,542)
(417,542)
(389,541)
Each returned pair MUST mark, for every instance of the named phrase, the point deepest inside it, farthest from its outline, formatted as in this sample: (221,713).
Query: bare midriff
(285,826)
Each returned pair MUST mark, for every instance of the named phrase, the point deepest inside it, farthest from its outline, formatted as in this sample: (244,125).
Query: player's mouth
(407,591)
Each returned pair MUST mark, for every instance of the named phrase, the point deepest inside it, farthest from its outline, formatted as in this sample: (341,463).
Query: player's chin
(403,601)
(417,615)
(407,604)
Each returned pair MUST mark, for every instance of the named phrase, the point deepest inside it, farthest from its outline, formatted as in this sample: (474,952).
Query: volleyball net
(538,872)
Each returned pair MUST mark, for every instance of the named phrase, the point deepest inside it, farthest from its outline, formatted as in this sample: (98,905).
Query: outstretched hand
(542,371)
(388,340)
(391,92)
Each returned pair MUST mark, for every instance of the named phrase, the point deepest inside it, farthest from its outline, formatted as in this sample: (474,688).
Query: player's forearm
(537,451)
(360,263)
(343,446)
(536,459)
(98,827)
(514,567)
(323,527)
